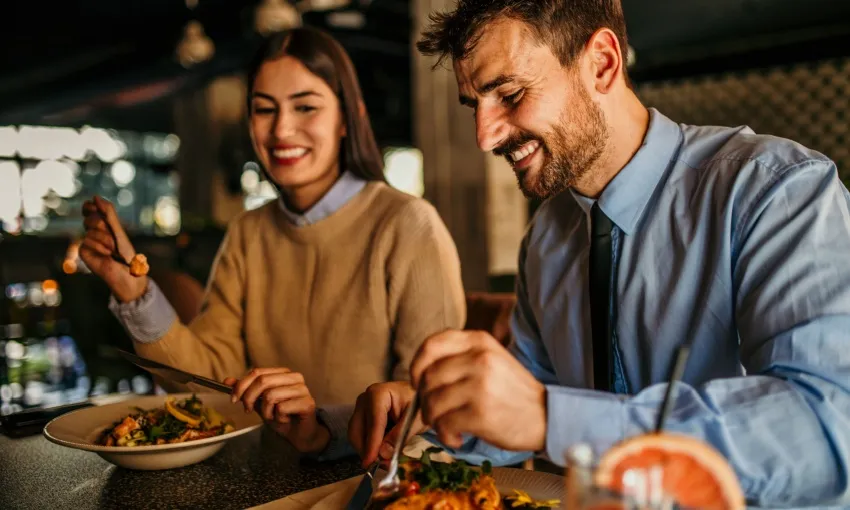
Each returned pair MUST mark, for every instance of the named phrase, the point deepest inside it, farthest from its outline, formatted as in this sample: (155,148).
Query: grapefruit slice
(694,473)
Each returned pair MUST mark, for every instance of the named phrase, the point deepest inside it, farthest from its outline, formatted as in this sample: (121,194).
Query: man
(653,235)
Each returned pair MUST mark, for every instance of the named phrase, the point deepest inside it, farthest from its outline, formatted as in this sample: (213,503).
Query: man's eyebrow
(495,83)
(488,87)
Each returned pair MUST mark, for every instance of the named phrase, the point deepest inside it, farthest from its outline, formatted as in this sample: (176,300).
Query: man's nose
(490,129)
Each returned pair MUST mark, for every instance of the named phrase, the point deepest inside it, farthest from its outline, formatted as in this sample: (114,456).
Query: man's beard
(570,150)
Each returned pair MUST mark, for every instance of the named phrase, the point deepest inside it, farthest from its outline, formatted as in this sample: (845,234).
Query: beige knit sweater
(346,301)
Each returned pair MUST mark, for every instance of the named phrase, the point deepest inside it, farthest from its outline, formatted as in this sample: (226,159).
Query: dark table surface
(250,470)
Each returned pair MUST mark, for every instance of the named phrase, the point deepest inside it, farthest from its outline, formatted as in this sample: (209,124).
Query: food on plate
(139,265)
(692,472)
(430,485)
(520,500)
(174,422)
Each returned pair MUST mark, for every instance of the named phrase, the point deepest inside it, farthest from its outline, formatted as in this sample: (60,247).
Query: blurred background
(143,102)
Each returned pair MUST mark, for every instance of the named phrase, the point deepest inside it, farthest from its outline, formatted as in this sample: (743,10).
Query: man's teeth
(289,153)
(525,151)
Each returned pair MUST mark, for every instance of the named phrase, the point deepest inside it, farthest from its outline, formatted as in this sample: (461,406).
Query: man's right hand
(98,245)
(380,405)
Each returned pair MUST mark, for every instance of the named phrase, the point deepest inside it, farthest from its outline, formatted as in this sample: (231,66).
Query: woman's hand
(285,403)
(98,245)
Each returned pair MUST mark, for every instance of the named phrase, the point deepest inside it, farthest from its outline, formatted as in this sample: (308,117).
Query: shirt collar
(344,189)
(626,196)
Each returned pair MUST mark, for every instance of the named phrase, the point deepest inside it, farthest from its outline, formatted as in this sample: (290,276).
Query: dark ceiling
(711,35)
(111,61)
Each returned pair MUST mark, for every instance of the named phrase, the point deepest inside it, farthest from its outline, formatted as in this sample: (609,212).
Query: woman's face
(296,125)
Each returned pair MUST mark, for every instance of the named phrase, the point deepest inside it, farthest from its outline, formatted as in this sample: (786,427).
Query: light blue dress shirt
(736,243)
(344,189)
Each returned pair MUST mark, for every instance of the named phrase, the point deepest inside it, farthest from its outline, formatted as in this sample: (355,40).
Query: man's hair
(564,25)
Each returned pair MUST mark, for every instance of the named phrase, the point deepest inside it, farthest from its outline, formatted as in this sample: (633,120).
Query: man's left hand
(471,384)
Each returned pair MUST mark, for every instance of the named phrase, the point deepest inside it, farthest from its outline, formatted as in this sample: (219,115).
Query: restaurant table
(250,470)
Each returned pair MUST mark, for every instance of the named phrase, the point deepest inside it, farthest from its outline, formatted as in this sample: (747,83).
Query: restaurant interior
(143,103)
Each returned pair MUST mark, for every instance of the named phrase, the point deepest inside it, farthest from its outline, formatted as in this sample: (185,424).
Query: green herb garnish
(193,405)
(487,467)
(456,476)
(156,432)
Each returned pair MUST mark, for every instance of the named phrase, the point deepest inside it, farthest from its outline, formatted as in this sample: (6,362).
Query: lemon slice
(181,414)
(214,418)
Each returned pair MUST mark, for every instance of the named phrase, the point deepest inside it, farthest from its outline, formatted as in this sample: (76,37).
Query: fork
(390,483)
(115,255)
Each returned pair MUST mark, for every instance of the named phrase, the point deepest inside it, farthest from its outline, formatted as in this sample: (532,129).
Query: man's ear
(606,59)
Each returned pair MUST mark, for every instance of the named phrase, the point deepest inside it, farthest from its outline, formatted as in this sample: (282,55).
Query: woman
(331,288)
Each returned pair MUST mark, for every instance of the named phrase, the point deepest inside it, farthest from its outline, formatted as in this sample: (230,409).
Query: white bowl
(80,429)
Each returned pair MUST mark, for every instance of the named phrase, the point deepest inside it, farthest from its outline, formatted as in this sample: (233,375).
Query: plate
(80,429)
(537,484)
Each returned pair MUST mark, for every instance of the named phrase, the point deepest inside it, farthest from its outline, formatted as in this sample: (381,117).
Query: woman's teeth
(289,153)
(525,151)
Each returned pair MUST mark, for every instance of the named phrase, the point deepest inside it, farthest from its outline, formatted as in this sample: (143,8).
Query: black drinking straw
(675,376)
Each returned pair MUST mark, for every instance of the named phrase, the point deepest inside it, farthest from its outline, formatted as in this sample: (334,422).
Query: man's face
(531,109)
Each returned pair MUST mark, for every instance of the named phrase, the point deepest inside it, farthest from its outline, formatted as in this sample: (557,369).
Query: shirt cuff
(336,419)
(146,319)
(582,416)
(475,451)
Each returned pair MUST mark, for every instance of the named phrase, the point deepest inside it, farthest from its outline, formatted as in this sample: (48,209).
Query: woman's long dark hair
(326,58)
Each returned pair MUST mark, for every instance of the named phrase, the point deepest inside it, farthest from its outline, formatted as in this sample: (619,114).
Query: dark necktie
(600,288)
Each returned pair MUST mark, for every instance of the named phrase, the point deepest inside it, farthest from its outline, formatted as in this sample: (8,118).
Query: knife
(363,493)
(173,374)
(181,377)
